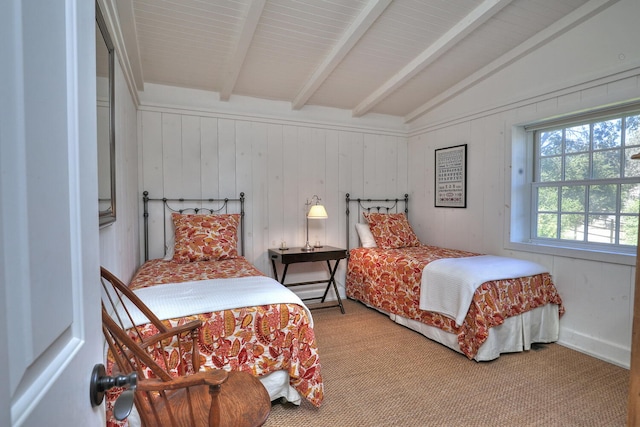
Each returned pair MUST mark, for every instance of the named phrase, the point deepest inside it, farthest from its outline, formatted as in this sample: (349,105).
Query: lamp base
(307,248)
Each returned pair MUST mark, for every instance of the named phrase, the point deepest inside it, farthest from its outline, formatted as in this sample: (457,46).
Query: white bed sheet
(448,284)
(175,300)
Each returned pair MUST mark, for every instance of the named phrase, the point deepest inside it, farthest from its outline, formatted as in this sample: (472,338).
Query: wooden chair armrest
(210,378)
(195,324)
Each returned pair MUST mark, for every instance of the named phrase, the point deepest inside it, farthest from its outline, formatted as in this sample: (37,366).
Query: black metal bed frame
(223,208)
(364,205)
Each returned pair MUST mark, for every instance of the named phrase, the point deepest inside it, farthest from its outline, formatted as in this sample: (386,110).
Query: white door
(50,336)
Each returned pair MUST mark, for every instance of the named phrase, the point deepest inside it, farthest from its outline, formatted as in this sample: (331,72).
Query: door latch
(100,383)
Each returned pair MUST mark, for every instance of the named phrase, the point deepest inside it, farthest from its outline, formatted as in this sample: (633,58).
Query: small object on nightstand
(283,246)
(317,245)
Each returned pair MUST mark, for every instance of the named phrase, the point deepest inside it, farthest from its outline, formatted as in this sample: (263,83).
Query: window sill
(584,254)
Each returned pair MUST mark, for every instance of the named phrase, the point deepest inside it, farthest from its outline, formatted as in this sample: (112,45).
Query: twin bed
(250,322)
(475,304)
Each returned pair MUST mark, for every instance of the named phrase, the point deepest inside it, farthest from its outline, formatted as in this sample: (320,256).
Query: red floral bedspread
(390,280)
(259,340)
(157,271)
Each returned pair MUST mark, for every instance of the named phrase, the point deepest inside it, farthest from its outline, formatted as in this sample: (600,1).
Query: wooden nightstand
(296,255)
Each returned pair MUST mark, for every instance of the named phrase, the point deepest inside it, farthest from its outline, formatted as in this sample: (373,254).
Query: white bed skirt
(278,387)
(540,325)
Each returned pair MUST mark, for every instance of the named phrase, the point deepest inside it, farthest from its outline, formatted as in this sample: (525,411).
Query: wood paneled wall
(598,291)
(119,245)
(277,165)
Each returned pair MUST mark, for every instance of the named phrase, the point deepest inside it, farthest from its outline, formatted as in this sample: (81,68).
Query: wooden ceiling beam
(462,29)
(234,65)
(354,33)
(581,14)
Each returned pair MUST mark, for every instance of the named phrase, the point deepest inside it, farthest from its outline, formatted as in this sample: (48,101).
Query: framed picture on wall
(451,177)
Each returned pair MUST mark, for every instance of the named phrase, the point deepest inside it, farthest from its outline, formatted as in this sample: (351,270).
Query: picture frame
(451,177)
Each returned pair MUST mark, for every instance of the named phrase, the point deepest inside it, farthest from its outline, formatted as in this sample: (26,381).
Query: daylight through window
(586,186)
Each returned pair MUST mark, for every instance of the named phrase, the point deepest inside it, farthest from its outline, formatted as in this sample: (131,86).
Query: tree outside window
(587,188)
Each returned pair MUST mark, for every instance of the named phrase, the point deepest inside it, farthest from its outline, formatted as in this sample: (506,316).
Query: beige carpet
(377,373)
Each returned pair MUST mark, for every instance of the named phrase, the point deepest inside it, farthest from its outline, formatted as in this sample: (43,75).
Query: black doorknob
(100,383)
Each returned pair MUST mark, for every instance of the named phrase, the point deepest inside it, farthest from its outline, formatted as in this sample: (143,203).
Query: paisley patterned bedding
(158,271)
(259,340)
(389,279)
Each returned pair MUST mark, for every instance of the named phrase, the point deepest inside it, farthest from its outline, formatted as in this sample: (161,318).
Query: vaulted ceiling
(397,57)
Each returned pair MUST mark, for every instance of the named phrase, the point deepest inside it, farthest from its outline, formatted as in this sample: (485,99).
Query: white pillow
(170,248)
(366,238)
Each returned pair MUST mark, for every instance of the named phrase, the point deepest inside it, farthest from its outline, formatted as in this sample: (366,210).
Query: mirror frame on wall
(106,187)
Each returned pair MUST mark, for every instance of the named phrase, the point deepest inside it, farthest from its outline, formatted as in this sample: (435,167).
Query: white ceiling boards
(396,57)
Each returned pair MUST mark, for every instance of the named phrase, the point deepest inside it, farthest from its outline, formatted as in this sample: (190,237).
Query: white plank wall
(119,247)
(278,167)
(598,294)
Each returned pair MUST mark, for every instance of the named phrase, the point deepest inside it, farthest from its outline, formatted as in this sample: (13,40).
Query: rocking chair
(171,389)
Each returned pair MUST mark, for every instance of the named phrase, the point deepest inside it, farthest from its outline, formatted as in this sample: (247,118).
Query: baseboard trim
(600,349)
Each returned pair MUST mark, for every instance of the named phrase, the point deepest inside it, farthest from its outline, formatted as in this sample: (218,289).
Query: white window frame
(519,235)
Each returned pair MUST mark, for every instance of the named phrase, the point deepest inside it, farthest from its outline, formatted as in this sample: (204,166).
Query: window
(586,189)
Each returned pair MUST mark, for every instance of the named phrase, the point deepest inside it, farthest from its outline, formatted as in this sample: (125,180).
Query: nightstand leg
(332,281)
(275,272)
(284,273)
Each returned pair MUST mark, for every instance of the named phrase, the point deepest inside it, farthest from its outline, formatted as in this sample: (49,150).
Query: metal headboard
(378,205)
(221,206)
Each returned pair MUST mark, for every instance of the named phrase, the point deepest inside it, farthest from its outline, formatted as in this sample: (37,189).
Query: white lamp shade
(317,212)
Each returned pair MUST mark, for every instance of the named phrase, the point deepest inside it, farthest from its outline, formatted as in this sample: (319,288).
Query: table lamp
(317,211)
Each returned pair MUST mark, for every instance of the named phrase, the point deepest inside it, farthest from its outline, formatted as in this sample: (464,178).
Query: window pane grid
(586,183)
